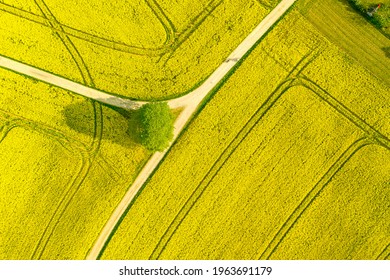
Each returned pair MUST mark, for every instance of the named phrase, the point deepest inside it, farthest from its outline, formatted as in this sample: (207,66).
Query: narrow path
(66,84)
(190,102)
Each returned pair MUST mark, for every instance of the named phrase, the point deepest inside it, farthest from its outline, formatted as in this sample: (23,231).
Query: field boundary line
(312,195)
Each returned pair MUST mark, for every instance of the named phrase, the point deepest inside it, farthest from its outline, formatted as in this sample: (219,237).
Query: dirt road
(190,103)
(64,83)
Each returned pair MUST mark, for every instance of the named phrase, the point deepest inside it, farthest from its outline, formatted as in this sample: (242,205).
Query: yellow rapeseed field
(268,174)
(150,50)
(134,23)
(270,141)
(183,12)
(351,32)
(66,163)
(351,214)
(27,5)
(35,175)
(190,158)
(36,45)
(288,158)
(191,58)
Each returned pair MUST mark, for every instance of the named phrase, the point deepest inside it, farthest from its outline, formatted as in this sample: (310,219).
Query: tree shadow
(120,126)
(353,13)
(133,122)
(348,6)
(386,50)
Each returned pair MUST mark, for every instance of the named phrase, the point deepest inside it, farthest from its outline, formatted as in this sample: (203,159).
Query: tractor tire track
(215,168)
(225,155)
(77,180)
(173,41)
(264,4)
(98,114)
(385,254)
(4,130)
(192,27)
(52,21)
(164,20)
(346,112)
(111,44)
(313,194)
(71,147)
(64,140)
(87,156)
(236,142)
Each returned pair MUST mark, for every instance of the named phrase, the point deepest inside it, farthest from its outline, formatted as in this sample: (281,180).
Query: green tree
(156,126)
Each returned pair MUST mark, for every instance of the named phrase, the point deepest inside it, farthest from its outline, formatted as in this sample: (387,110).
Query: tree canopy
(156,126)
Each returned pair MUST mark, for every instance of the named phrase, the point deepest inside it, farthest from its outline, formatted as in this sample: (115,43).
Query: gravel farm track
(189,104)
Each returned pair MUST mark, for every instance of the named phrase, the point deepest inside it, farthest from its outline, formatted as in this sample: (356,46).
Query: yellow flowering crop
(281,131)
(149,50)
(65,164)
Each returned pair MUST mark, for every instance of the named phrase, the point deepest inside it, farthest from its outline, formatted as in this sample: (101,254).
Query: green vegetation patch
(156,126)
(378,12)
